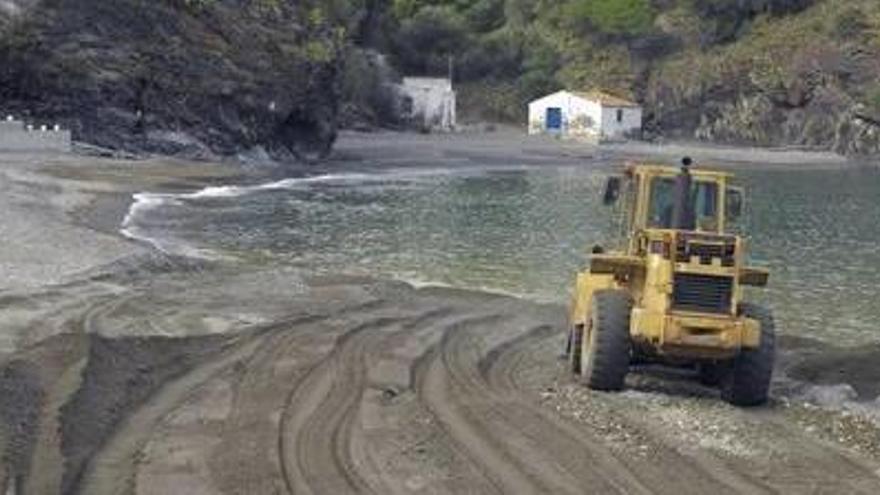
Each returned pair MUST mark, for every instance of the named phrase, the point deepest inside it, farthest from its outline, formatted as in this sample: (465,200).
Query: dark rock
(809,103)
(858,133)
(168,76)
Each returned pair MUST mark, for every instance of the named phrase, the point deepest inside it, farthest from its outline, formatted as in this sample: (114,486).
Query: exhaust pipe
(682,214)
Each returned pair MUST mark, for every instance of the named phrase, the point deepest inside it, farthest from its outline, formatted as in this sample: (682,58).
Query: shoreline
(736,156)
(451,148)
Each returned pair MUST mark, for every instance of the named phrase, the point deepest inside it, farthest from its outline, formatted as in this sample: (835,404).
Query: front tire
(606,343)
(748,381)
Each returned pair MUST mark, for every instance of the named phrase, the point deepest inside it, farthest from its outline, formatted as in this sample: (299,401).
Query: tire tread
(610,347)
(749,376)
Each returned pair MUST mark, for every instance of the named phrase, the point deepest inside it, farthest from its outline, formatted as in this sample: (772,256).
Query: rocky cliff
(194,77)
(807,80)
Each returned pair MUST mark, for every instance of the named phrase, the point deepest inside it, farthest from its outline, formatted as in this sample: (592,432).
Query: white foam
(418,282)
(295,182)
(842,398)
(217,192)
(291,183)
(171,248)
(141,202)
(146,201)
(831,396)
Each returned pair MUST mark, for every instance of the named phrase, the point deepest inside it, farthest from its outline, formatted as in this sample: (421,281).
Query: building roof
(604,99)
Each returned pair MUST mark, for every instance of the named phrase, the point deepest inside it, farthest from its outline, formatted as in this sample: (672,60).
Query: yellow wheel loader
(672,291)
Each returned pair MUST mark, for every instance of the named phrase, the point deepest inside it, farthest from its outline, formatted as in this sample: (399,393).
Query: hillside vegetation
(226,76)
(764,72)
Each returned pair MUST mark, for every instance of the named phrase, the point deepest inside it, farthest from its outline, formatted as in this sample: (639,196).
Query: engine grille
(702,293)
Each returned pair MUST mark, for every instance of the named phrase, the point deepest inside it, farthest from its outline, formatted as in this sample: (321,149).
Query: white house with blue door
(592,115)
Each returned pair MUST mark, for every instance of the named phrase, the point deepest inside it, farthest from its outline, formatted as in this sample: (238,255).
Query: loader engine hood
(704,249)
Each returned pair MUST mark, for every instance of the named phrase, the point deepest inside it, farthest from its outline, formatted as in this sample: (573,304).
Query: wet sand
(123,370)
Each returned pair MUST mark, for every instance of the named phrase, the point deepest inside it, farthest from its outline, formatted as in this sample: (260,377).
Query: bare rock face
(813,99)
(831,120)
(858,133)
(174,76)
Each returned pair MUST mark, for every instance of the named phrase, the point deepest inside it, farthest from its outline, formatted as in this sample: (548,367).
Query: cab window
(704,196)
(662,203)
(701,210)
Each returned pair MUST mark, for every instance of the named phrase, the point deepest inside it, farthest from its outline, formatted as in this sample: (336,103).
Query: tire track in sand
(308,439)
(809,466)
(694,474)
(258,380)
(113,468)
(519,451)
(320,425)
(399,441)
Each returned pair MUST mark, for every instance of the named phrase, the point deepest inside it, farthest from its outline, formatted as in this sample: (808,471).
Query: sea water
(526,230)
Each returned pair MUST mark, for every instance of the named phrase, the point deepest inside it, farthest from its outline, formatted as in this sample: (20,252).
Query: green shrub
(490,101)
(535,84)
(365,88)
(485,15)
(496,56)
(872,98)
(614,18)
(850,23)
(425,41)
(197,5)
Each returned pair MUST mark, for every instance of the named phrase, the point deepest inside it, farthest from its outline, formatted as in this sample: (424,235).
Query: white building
(429,102)
(594,115)
(16,136)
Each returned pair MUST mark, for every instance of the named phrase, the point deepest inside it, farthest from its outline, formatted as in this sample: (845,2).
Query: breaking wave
(145,202)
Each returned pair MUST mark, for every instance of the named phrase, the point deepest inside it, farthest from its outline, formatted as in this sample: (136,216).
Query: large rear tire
(606,343)
(747,382)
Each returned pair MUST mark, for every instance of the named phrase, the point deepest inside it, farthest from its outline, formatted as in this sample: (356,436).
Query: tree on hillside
(519,13)
(729,19)
(426,41)
(407,8)
(612,19)
(485,15)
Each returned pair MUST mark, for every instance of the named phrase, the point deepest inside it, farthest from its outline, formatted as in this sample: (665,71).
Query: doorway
(554,119)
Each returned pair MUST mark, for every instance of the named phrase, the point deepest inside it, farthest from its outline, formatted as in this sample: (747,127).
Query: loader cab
(650,195)
(701,207)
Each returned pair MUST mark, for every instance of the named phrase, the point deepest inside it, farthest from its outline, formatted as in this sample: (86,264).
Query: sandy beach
(127,370)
